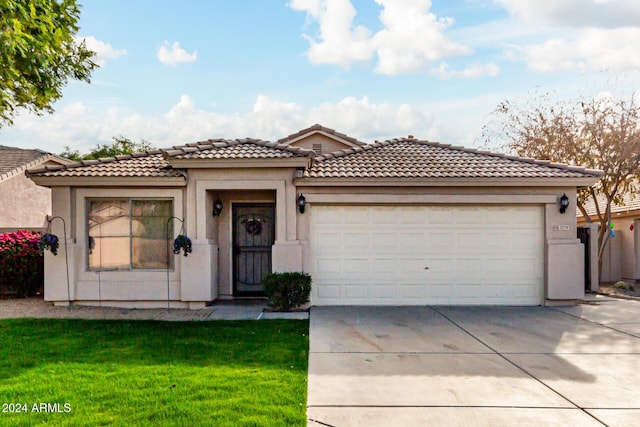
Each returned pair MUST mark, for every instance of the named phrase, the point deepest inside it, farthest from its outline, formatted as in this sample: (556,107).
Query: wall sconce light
(564,203)
(301,203)
(217,207)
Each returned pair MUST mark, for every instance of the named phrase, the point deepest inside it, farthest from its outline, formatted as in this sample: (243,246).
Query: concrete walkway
(475,366)
(231,310)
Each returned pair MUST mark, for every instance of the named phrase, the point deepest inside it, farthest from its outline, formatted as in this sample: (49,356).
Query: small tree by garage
(601,133)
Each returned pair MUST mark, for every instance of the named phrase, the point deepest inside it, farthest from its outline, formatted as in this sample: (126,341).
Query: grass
(141,373)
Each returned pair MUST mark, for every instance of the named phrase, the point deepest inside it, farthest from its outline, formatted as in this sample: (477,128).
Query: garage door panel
(475,255)
(439,242)
(384,216)
(440,266)
(327,215)
(355,216)
(468,269)
(413,215)
(413,241)
(412,290)
(328,269)
(357,241)
(471,241)
(386,291)
(440,216)
(356,291)
(327,291)
(358,266)
(384,266)
(326,241)
(524,217)
(412,265)
(467,218)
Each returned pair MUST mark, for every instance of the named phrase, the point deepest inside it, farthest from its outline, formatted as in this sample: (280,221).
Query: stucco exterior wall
(23,204)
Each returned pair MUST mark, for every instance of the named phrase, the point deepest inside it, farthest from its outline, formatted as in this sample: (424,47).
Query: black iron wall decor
(564,203)
(217,207)
(302,202)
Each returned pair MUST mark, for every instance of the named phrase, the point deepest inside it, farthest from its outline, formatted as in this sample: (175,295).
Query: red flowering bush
(21,263)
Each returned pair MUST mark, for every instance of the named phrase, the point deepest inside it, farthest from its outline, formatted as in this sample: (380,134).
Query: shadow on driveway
(471,363)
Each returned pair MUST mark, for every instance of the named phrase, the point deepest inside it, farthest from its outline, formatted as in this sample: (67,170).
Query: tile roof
(155,163)
(630,202)
(396,158)
(410,158)
(320,128)
(145,164)
(15,160)
(247,148)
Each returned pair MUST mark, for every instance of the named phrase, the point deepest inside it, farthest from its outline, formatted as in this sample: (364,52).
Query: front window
(128,234)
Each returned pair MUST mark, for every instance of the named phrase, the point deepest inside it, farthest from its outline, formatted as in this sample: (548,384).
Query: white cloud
(102,49)
(81,126)
(576,36)
(173,54)
(472,71)
(411,39)
(339,43)
(598,13)
(593,49)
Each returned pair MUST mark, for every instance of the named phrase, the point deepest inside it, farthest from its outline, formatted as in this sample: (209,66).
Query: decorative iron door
(253,237)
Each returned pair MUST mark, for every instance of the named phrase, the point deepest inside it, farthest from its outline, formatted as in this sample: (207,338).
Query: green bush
(21,263)
(287,290)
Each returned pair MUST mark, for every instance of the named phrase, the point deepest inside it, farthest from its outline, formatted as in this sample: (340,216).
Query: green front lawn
(141,373)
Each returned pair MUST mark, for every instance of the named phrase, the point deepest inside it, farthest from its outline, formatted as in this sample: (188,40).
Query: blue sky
(176,72)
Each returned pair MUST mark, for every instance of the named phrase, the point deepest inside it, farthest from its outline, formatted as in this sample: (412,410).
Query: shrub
(21,262)
(287,290)
(624,286)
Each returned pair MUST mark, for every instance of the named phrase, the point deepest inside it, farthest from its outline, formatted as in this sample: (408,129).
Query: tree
(120,146)
(601,133)
(39,54)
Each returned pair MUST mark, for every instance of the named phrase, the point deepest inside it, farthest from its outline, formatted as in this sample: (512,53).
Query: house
(621,258)
(23,204)
(397,222)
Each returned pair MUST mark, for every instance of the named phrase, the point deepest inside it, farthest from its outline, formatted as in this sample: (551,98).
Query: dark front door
(584,236)
(253,237)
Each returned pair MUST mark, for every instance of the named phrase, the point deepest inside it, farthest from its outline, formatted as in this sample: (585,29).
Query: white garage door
(416,255)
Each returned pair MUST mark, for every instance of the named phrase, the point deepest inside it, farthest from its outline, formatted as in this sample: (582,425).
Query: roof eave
(447,182)
(108,181)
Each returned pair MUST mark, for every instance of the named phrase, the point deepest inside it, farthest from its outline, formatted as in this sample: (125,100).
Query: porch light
(301,203)
(564,203)
(217,207)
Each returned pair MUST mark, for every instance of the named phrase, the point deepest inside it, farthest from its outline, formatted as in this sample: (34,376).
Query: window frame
(129,200)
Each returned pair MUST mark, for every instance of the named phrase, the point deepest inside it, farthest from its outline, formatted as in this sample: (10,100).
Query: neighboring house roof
(322,130)
(236,149)
(410,158)
(630,204)
(14,161)
(138,165)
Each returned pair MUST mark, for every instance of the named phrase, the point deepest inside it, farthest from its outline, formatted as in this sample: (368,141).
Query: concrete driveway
(475,366)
